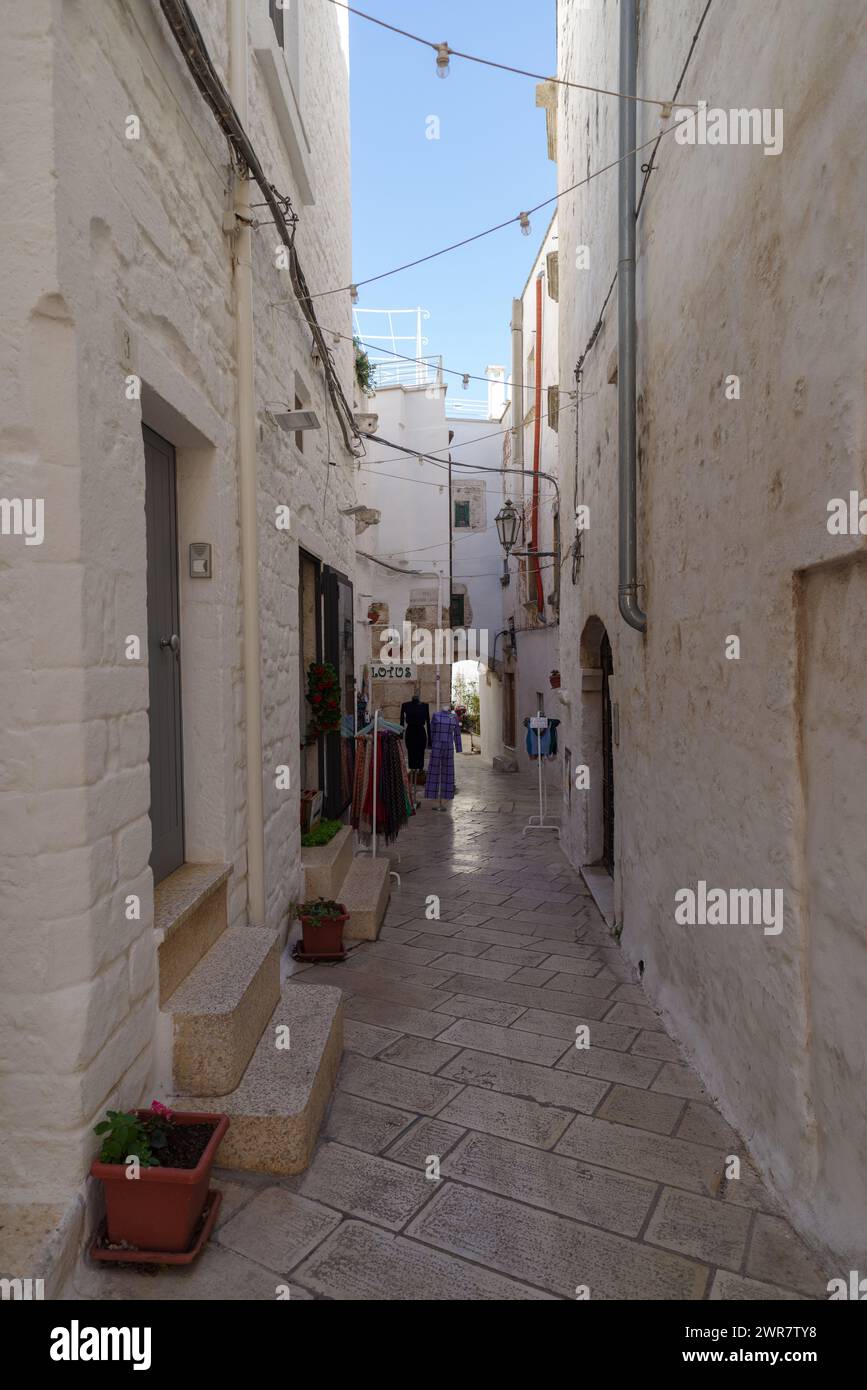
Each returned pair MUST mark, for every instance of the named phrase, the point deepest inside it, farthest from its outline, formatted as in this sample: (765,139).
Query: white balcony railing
(428,371)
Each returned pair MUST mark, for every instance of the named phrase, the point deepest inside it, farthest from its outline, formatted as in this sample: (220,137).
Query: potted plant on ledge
(322,923)
(554,678)
(155,1167)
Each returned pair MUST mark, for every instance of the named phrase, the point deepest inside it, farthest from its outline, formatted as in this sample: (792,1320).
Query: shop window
(462,514)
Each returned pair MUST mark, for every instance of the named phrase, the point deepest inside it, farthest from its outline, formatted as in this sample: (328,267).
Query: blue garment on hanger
(542,741)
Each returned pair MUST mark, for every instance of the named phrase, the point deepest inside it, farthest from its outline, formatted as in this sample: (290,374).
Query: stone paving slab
(607,1035)
(652,1156)
(544,1084)
(397,1086)
(531,976)
(453,945)
(553,1182)
(515,955)
(278,1228)
(552,1252)
(555,1001)
(365,1037)
(506,1042)
(649,1110)
(364,1124)
(594,986)
(364,1185)
(778,1256)
(428,1138)
(698,1226)
(362,1263)
(510,1117)
(728,1288)
(678,1080)
(703,1125)
(419,1054)
(609,1064)
(657,1045)
(402,1018)
(483,1010)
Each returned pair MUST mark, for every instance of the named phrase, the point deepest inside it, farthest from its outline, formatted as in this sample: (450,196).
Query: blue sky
(412,195)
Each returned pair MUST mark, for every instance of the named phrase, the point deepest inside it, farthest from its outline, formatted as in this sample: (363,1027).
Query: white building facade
(723,745)
(151,339)
(518,683)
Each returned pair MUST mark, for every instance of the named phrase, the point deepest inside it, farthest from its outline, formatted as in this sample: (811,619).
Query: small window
(462,514)
(275,9)
(456,609)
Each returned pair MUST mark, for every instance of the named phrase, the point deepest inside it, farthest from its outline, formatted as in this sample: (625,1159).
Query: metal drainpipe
(246,424)
(626,438)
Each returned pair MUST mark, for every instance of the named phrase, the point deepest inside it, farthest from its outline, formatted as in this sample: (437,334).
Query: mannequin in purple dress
(445,741)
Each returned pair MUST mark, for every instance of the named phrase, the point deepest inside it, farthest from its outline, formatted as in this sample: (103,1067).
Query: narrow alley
(563,1172)
(433,606)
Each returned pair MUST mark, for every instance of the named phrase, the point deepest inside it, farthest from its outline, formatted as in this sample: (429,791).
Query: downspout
(537,449)
(246,427)
(518,396)
(626,436)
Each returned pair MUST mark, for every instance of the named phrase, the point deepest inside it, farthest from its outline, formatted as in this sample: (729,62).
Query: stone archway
(597,743)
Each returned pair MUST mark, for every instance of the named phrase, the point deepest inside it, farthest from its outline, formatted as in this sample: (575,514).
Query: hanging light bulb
(443,51)
(466,380)
(525,224)
(353,291)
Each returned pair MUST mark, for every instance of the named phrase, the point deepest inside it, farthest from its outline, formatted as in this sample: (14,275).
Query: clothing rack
(540,723)
(375,725)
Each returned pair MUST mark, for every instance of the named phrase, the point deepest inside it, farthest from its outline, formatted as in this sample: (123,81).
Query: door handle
(174,642)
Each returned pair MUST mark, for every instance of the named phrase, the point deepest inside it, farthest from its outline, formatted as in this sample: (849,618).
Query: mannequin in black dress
(415,716)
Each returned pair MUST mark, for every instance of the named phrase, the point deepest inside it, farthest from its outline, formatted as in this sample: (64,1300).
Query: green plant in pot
(322,922)
(155,1167)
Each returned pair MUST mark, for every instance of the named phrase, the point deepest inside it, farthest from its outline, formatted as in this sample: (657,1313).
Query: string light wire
(477,236)
(448,52)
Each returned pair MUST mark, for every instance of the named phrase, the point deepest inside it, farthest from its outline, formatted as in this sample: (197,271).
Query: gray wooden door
(164,662)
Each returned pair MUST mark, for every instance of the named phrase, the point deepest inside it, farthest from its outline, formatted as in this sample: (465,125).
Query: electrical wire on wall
(189,39)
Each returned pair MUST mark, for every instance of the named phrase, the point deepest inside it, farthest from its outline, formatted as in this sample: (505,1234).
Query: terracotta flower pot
(159,1209)
(554,678)
(323,936)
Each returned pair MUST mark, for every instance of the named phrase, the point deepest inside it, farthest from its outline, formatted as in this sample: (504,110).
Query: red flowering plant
(125,1133)
(323,694)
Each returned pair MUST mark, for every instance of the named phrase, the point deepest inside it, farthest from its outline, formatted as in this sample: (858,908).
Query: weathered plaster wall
(537,635)
(749,265)
(412,496)
(121,236)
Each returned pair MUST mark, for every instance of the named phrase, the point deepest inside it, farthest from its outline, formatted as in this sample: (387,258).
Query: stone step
(277,1108)
(190,913)
(220,1010)
(365,893)
(326,866)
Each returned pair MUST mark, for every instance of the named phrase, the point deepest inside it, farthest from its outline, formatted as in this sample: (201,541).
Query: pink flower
(162,1110)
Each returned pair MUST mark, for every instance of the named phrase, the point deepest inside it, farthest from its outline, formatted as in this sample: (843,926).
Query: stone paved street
(559,1167)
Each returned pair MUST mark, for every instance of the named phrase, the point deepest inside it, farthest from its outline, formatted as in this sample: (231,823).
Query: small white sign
(392,671)
(539,721)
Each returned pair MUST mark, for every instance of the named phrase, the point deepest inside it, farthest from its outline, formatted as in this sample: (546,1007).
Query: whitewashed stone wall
(749,265)
(111,237)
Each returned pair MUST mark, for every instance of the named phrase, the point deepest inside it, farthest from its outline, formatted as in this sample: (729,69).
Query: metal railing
(428,371)
(461,408)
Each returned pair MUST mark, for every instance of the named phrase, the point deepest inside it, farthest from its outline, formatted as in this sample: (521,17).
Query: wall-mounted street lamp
(508,523)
